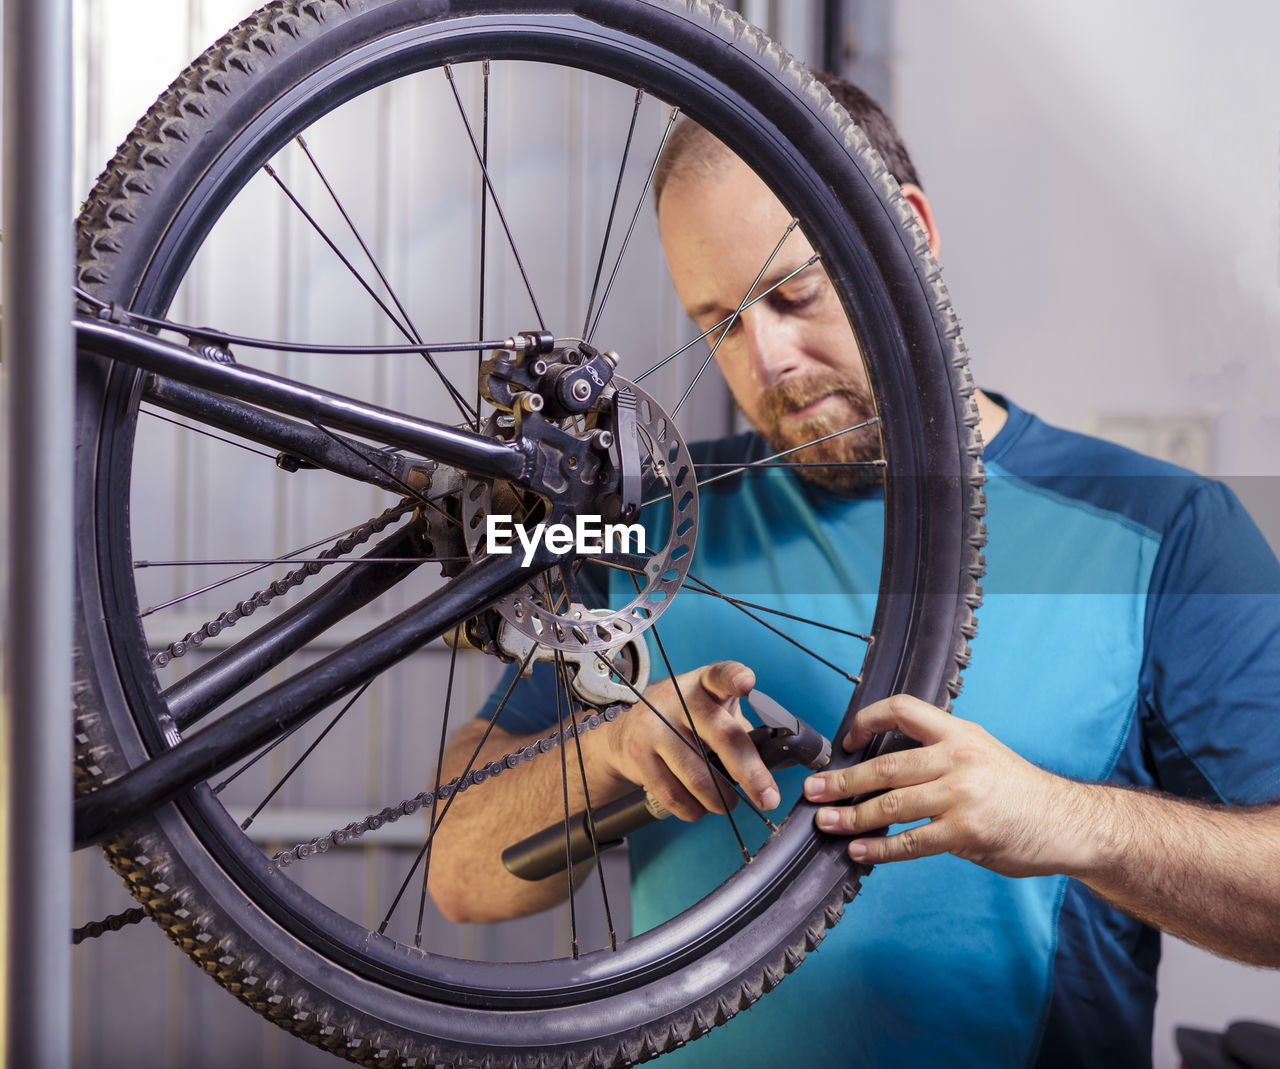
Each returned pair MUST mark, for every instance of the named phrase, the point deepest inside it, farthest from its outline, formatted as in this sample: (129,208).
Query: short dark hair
(689,147)
(876,124)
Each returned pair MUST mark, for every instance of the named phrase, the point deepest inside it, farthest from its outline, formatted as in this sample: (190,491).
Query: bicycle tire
(139,229)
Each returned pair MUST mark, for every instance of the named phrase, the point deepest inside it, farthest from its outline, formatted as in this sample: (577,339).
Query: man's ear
(924,215)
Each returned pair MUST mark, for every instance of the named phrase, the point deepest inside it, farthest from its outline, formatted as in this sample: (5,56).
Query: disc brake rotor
(549,609)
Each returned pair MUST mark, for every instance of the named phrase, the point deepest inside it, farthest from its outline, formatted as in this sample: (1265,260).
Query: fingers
(725,680)
(670,791)
(723,729)
(924,840)
(904,786)
(667,759)
(903,806)
(724,683)
(979,800)
(914,718)
(902,768)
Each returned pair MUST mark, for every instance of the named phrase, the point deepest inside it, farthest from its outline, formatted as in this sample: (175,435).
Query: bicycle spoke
(207,434)
(716,773)
(333,247)
(697,737)
(244,826)
(484,221)
(613,207)
(497,205)
(435,791)
(355,233)
(712,329)
(214,681)
(792,465)
(741,607)
(568,835)
(467,413)
(569,582)
(586,795)
(701,587)
(734,318)
(434,826)
(622,252)
(618,562)
(269,749)
(768,462)
(266,562)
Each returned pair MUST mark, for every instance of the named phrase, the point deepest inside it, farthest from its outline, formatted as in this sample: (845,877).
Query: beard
(844,464)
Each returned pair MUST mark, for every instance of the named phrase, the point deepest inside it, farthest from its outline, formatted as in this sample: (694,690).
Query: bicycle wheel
(215,145)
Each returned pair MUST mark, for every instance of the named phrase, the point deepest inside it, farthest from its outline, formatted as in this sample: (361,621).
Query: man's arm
(468,880)
(1207,873)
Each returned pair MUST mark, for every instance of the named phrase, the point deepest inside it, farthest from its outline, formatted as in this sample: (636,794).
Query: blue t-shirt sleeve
(531,706)
(1211,675)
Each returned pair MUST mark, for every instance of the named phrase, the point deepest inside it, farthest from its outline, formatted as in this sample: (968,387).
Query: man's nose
(770,347)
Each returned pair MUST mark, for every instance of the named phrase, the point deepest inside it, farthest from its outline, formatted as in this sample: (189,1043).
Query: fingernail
(770,798)
(828,819)
(812,787)
(857,850)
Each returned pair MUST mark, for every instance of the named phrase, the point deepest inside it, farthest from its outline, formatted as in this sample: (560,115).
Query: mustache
(845,453)
(795,394)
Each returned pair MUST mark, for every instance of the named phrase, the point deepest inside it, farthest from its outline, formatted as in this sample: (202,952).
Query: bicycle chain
(296,577)
(387,815)
(114,923)
(390,814)
(344,545)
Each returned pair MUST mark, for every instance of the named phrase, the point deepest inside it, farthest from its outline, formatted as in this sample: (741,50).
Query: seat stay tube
(259,721)
(298,444)
(462,449)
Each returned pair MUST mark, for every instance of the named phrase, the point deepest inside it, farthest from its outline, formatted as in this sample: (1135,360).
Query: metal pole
(37,351)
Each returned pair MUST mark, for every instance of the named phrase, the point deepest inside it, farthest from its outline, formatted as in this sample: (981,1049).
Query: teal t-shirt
(1130,632)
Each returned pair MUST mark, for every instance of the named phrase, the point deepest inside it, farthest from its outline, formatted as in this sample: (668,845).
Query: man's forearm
(468,880)
(651,743)
(1208,874)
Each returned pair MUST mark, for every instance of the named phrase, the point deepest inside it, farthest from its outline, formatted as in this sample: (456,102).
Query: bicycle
(548,428)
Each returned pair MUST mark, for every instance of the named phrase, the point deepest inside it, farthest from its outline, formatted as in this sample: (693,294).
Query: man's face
(790,359)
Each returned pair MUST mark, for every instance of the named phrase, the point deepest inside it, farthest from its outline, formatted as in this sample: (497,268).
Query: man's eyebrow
(777,278)
(707,308)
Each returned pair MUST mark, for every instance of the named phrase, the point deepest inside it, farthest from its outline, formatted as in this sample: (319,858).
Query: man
(1130,638)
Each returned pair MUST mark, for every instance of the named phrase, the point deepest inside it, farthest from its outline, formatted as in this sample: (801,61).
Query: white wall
(1106,179)
(1106,174)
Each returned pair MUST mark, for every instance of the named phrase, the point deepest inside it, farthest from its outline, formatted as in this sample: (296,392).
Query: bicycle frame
(194,384)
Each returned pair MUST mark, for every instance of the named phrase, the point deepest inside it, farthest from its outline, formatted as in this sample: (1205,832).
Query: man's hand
(1207,873)
(983,802)
(643,750)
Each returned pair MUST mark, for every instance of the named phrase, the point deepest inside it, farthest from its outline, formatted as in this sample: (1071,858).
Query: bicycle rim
(275,942)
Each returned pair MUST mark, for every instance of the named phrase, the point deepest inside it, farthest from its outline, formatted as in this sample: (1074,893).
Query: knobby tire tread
(173,895)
